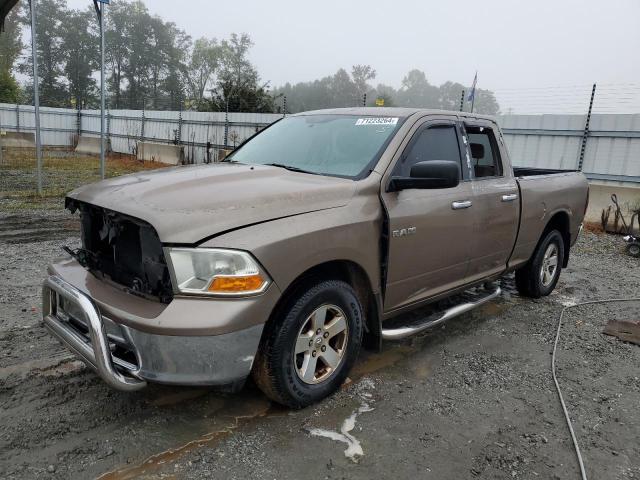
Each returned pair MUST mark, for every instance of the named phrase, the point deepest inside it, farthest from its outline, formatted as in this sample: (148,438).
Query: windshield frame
(367,169)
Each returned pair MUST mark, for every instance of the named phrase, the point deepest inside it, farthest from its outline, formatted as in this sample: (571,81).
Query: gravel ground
(473,399)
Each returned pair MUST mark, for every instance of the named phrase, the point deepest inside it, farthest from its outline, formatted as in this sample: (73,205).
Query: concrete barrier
(18,139)
(90,145)
(161,152)
(600,199)
(222,154)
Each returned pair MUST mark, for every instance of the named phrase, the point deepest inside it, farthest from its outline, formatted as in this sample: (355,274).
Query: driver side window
(439,142)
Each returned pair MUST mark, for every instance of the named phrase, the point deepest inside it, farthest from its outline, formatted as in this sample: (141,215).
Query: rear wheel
(633,249)
(307,352)
(540,275)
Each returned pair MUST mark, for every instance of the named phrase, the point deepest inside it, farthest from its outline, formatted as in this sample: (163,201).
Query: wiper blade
(291,168)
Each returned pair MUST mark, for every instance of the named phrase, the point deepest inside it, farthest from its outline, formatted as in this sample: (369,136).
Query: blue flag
(472,93)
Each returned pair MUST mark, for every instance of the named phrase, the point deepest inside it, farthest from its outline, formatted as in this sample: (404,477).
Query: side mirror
(429,174)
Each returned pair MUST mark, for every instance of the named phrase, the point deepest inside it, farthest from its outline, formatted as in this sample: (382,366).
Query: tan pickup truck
(303,245)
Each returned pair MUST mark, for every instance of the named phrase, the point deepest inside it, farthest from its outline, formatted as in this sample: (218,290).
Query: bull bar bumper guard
(96,353)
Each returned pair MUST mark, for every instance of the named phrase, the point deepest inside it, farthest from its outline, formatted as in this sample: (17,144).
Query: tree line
(151,63)
(351,89)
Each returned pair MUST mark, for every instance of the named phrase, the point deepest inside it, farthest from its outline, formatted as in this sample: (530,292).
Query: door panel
(496,226)
(429,229)
(434,258)
(496,197)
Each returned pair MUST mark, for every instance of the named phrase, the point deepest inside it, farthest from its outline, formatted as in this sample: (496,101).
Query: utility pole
(36,93)
(99,6)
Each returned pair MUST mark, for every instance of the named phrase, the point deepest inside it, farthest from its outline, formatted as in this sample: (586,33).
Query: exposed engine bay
(123,250)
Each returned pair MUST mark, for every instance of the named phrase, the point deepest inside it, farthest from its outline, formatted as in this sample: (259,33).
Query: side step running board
(431,321)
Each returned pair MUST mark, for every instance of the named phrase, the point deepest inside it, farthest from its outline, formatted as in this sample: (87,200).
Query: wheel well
(560,222)
(349,272)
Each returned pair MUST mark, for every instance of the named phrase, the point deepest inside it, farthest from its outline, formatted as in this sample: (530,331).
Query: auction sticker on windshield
(377,121)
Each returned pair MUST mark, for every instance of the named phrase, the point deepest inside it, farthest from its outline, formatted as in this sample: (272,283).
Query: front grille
(123,250)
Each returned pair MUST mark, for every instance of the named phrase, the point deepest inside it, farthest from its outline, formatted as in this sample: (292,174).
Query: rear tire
(633,249)
(540,275)
(307,351)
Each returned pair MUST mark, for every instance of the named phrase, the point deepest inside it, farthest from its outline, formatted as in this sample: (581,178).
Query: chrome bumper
(221,360)
(97,352)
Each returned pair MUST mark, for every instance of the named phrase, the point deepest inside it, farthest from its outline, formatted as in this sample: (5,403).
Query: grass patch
(62,172)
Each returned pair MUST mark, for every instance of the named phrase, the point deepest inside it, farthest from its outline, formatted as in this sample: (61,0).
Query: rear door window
(485,155)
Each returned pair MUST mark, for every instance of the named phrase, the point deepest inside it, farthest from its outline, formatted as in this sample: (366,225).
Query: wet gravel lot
(473,399)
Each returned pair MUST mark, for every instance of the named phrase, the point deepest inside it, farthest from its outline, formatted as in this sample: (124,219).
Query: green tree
(203,65)
(175,83)
(51,16)
(118,25)
(238,85)
(80,47)
(449,95)
(147,57)
(337,90)
(387,93)
(361,74)
(416,91)
(10,48)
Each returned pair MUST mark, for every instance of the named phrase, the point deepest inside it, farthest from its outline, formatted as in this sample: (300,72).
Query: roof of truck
(402,112)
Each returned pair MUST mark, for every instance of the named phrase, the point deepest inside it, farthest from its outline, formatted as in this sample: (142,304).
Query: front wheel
(306,353)
(633,249)
(540,275)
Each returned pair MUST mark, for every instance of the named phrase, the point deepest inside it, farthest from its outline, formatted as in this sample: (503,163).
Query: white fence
(552,141)
(194,130)
(612,150)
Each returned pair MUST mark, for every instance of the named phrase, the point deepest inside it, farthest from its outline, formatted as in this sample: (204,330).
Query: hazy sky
(513,44)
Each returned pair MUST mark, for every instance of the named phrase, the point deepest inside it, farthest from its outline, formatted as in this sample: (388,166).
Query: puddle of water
(492,308)
(377,361)
(255,407)
(249,409)
(354,449)
(42,366)
(178,397)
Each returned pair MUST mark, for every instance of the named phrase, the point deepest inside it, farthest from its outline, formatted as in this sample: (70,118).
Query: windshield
(341,145)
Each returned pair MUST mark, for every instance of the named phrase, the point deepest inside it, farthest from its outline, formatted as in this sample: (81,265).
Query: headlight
(214,271)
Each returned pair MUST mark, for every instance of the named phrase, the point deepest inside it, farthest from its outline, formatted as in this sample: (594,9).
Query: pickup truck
(305,244)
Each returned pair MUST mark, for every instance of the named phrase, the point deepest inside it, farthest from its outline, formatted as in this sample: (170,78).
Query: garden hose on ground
(555,379)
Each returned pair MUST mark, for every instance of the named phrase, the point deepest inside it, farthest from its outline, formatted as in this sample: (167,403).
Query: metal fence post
(108,130)
(585,134)
(17,117)
(462,100)
(142,123)
(79,122)
(36,93)
(179,139)
(226,125)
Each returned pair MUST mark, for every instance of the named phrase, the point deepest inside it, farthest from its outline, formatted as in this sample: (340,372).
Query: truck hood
(189,204)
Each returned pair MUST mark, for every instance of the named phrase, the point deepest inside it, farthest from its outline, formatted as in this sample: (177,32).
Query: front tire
(307,352)
(540,275)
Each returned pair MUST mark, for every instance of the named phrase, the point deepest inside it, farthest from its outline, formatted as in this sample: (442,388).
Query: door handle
(509,197)
(461,204)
